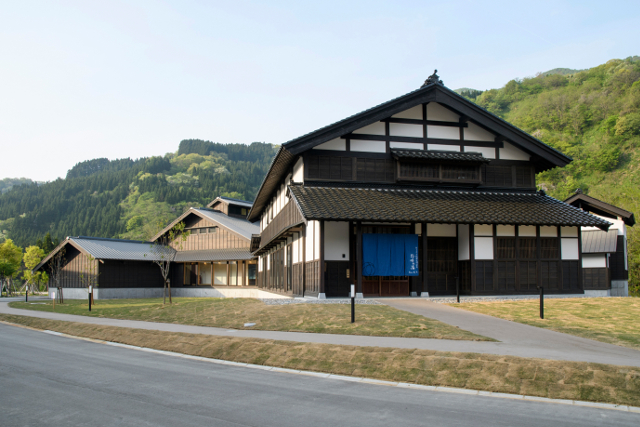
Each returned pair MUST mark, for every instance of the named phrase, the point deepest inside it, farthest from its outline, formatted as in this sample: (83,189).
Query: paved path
(534,342)
(83,383)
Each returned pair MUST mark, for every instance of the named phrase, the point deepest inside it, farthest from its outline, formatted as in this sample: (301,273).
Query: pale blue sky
(87,79)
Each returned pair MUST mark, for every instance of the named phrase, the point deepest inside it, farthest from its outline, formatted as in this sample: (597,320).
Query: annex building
(407,197)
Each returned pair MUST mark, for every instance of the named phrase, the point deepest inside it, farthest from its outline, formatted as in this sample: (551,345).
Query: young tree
(56,265)
(163,253)
(90,279)
(32,257)
(10,261)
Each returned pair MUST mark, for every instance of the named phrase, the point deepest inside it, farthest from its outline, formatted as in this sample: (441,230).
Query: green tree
(10,261)
(31,258)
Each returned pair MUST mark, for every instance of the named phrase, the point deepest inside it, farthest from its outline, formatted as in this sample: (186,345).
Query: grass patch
(507,374)
(610,320)
(372,320)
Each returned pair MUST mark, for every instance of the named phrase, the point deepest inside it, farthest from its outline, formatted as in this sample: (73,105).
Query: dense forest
(128,198)
(591,115)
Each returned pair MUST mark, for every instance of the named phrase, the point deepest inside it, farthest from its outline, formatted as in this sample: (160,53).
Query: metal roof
(231,201)
(129,250)
(214,255)
(438,206)
(597,241)
(238,225)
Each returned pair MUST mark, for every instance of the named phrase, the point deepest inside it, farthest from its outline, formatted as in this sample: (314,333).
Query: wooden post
(425,261)
(321,258)
(303,235)
(472,258)
(358,271)
(228,274)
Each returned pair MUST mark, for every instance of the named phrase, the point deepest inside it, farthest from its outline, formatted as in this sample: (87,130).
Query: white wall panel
(377,128)
(368,146)
(298,171)
(411,113)
(569,231)
(506,230)
(509,152)
(475,133)
(441,230)
(436,111)
(527,230)
(337,144)
(594,261)
(259,263)
(418,229)
(463,242)
(296,250)
(483,230)
(443,132)
(569,248)
(403,129)
(308,255)
(487,152)
(336,241)
(443,147)
(548,231)
(406,145)
(316,240)
(483,248)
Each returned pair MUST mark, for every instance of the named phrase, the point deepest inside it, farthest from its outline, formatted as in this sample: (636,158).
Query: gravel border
(283,301)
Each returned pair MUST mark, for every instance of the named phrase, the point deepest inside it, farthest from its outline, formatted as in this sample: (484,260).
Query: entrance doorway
(442,265)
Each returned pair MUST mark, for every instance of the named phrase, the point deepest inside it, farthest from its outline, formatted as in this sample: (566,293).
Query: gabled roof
(230,201)
(114,249)
(432,91)
(598,207)
(210,255)
(438,206)
(597,241)
(240,227)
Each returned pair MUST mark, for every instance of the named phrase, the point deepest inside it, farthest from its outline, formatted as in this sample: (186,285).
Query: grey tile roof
(438,206)
(439,155)
(240,226)
(130,250)
(596,241)
(214,255)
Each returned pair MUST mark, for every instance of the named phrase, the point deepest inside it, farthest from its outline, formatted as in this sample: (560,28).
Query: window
(549,248)
(506,247)
(202,230)
(212,229)
(416,171)
(527,248)
(244,211)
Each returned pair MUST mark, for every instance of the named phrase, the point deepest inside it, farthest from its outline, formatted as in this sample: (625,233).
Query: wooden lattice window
(458,172)
(329,168)
(419,170)
(524,177)
(498,176)
(438,172)
(527,248)
(549,248)
(506,247)
(375,170)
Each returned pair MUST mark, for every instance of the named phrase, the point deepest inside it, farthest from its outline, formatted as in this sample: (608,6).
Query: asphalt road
(49,380)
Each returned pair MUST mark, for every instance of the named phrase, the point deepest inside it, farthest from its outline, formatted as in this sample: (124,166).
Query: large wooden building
(214,257)
(411,195)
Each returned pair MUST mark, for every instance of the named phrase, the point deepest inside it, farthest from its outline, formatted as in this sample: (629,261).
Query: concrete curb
(363,380)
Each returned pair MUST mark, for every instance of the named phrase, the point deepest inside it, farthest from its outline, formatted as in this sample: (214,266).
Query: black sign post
(353,303)
(541,302)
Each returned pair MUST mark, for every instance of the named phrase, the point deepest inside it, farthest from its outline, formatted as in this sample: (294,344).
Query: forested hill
(128,198)
(591,115)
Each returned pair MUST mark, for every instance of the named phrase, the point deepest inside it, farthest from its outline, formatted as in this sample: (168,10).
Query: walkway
(516,339)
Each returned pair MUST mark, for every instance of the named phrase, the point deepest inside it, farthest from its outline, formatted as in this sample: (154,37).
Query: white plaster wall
(441,230)
(548,231)
(308,255)
(473,132)
(527,230)
(436,111)
(316,240)
(506,230)
(418,229)
(483,230)
(569,231)
(368,146)
(487,152)
(296,250)
(337,144)
(260,263)
(463,242)
(509,152)
(411,113)
(336,241)
(298,171)
(569,249)
(377,128)
(443,147)
(402,129)
(443,132)
(406,145)
(483,248)
(269,261)
(594,261)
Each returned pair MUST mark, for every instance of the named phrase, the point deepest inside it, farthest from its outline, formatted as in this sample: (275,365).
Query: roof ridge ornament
(434,78)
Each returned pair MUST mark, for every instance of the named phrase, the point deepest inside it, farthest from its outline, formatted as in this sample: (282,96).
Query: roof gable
(240,227)
(229,201)
(449,105)
(599,207)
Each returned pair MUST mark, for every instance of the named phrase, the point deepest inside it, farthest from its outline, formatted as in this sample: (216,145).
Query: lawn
(233,313)
(506,374)
(610,320)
